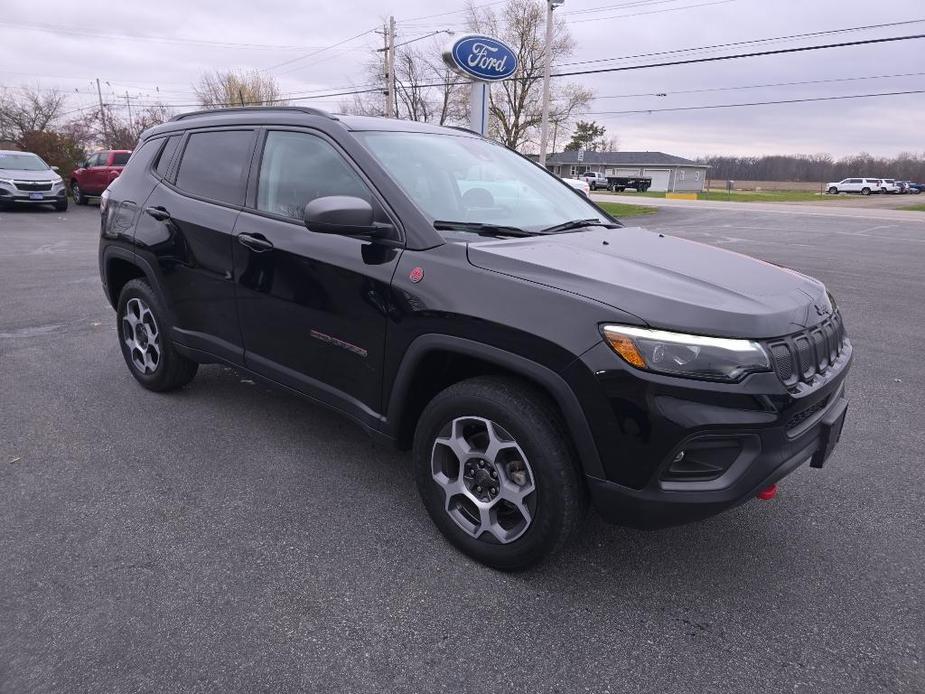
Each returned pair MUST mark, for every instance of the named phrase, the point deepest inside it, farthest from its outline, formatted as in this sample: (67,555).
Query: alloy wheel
(141,336)
(487,481)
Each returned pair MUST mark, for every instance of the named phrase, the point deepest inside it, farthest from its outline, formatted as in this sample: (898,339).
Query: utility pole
(547,64)
(99,93)
(390,70)
(128,104)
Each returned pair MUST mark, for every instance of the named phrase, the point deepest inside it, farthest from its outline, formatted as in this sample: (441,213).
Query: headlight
(693,356)
(8,181)
(57,179)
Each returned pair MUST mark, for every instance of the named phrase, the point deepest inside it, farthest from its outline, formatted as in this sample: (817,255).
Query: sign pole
(478,108)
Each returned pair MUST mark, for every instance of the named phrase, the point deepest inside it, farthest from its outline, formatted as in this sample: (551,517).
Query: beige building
(668,172)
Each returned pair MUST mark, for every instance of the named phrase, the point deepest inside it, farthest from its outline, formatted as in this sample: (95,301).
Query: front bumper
(750,434)
(14,195)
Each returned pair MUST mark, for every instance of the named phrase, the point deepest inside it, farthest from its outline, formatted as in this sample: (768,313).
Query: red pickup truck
(96,173)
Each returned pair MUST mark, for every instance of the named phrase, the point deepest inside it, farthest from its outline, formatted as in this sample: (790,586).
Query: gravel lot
(233,538)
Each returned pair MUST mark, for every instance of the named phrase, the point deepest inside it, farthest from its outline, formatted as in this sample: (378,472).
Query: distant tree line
(816,167)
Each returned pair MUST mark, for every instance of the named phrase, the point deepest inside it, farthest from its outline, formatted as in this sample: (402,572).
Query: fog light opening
(768,493)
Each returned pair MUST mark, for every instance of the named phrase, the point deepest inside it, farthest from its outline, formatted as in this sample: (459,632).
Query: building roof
(622,159)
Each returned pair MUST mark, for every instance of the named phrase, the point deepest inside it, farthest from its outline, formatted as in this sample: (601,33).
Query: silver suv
(26,178)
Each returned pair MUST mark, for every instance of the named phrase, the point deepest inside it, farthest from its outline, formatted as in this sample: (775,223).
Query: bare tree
(237,88)
(110,128)
(426,89)
(27,110)
(516,104)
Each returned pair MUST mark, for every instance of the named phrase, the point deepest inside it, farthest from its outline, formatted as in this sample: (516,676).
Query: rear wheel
(146,347)
(77,194)
(496,474)
(865,191)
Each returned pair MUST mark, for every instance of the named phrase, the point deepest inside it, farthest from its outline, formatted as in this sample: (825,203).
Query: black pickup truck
(453,297)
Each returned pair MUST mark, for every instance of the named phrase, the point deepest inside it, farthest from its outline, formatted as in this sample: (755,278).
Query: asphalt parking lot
(233,538)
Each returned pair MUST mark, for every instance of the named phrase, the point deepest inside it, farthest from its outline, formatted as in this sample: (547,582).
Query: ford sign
(481,57)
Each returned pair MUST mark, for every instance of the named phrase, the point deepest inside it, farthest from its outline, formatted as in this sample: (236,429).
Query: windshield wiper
(481,228)
(579,224)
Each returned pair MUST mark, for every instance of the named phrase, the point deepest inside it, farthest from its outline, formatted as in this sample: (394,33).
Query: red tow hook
(768,493)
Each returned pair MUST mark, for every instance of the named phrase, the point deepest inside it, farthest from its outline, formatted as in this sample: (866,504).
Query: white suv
(864,186)
(888,185)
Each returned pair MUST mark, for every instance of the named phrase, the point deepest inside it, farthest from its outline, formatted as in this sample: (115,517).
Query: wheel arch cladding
(120,272)
(434,362)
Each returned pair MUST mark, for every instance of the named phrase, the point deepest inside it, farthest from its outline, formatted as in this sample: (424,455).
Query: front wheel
(496,474)
(146,347)
(865,191)
(78,194)
(833,191)
(61,205)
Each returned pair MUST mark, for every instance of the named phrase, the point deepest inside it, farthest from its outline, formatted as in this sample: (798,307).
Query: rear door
(95,177)
(185,231)
(313,306)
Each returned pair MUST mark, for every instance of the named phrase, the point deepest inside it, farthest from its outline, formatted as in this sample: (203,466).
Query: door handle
(255,242)
(159,213)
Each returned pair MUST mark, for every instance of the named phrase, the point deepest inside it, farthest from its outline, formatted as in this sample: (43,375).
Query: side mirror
(342,214)
(55,168)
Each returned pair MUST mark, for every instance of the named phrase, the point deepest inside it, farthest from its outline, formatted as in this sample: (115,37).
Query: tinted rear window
(163,161)
(120,158)
(214,165)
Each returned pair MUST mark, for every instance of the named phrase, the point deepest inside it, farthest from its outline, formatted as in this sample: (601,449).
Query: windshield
(465,179)
(23,162)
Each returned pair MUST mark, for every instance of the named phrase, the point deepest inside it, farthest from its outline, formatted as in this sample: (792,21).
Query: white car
(888,185)
(864,186)
(579,186)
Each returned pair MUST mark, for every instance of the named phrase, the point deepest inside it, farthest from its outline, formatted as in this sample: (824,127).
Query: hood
(25,175)
(668,282)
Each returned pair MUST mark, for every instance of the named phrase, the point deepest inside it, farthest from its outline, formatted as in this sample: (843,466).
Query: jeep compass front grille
(802,356)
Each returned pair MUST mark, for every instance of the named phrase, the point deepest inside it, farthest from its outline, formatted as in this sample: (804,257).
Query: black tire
(865,191)
(61,205)
(559,498)
(833,191)
(172,369)
(78,194)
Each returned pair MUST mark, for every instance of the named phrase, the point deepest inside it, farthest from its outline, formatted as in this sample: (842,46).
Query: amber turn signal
(624,346)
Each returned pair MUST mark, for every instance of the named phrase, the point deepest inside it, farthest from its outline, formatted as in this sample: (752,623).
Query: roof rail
(464,129)
(238,109)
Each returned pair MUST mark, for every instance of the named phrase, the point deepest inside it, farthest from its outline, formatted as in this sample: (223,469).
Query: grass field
(913,208)
(619,210)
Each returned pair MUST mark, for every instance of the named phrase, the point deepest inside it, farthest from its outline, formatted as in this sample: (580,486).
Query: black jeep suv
(451,296)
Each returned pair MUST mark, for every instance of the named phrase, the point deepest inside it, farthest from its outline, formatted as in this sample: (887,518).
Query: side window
(163,161)
(95,160)
(215,164)
(297,168)
(120,158)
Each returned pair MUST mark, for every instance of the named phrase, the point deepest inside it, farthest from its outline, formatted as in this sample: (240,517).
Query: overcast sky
(67,45)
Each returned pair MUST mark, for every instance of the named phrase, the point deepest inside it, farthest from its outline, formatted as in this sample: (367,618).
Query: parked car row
(866,186)
(26,178)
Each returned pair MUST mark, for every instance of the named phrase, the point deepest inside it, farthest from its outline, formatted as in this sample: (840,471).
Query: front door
(312,306)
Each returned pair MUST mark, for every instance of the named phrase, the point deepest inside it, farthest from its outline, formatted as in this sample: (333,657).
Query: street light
(547,64)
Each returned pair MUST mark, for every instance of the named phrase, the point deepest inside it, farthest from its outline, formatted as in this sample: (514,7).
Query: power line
(733,44)
(736,56)
(761,86)
(320,50)
(753,103)
(622,6)
(625,68)
(640,14)
(69,30)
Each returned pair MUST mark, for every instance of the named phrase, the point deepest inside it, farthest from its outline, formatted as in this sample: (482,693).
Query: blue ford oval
(483,57)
